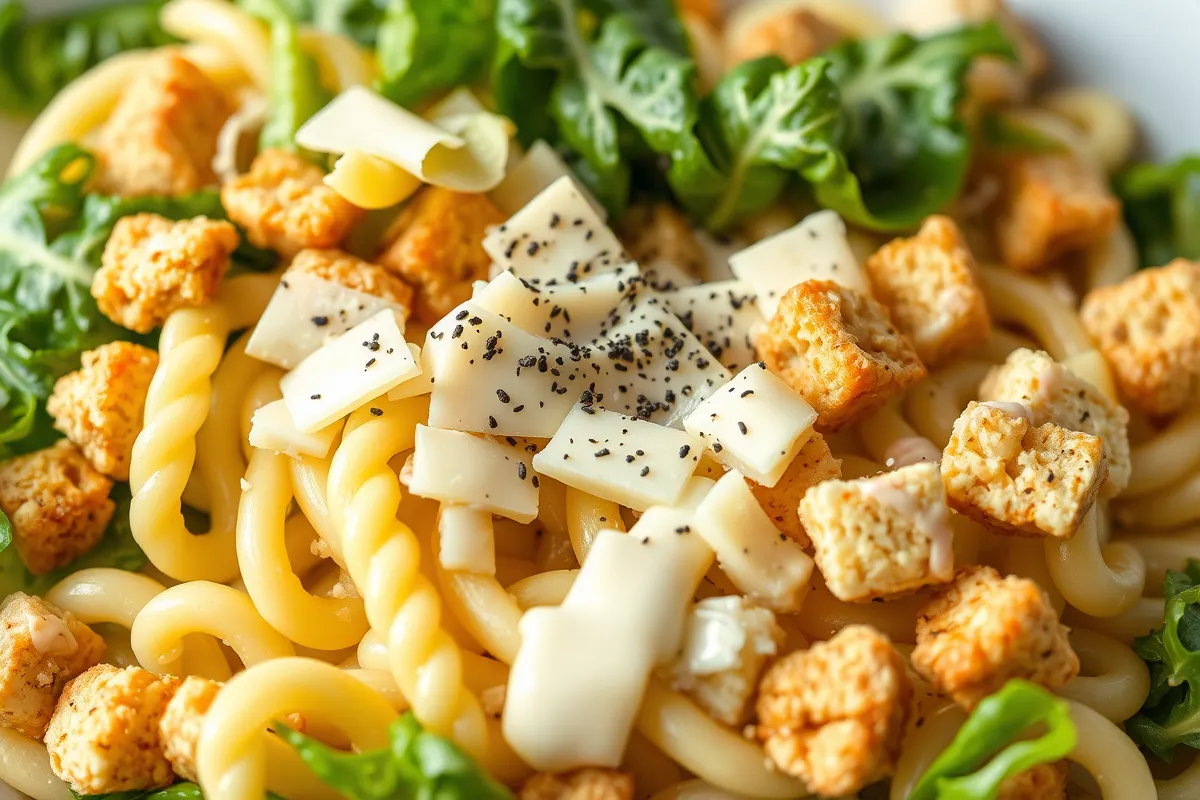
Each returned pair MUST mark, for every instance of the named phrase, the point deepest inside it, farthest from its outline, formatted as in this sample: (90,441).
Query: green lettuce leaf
(764,124)
(5,532)
(1170,717)
(39,58)
(356,19)
(992,745)
(1162,209)
(433,46)
(906,146)
(416,766)
(296,92)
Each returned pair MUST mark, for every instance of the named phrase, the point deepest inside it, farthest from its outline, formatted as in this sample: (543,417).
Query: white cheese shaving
(466,540)
(418,384)
(540,167)
(271,428)
(722,316)
(460,469)
(576,312)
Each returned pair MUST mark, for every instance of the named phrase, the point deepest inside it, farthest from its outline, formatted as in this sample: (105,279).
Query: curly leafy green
(1171,714)
(38,58)
(296,92)
(417,765)
(763,124)
(1162,209)
(432,46)
(992,745)
(906,146)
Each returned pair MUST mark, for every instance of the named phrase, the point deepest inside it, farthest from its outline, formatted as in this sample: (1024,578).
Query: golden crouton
(99,407)
(793,35)
(1043,782)
(1055,394)
(1000,470)
(657,233)
(928,284)
(813,464)
(982,630)
(838,349)
(723,678)
(58,505)
(993,80)
(284,204)
(162,136)
(710,10)
(882,536)
(1148,328)
(1052,205)
(179,728)
(834,715)
(41,648)
(104,736)
(353,273)
(582,784)
(152,266)
(438,248)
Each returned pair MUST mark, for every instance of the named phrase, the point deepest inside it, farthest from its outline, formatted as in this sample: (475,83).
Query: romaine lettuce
(1162,209)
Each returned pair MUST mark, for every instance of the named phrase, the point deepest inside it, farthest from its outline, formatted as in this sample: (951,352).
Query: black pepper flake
(503,396)
(683,451)
(602,452)
(629,459)
(370,364)
(683,529)
(457,332)
(519,409)
(521,470)
(742,427)
(320,322)
(747,393)
(492,422)
(376,412)
(645,471)
(535,482)
(315,397)
(462,314)
(717,447)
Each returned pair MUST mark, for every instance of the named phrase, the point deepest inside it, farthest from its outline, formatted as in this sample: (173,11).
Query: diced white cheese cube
(466,540)
(755,424)
(815,249)
(557,237)
(363,363)
(305,312)
(652,367)
(460,469)
(637,464)
(540,167)
(722,316)
(489,376)
(769,567)
(271,428)
(591,657)
(418,384)
(718,634)
(573,312)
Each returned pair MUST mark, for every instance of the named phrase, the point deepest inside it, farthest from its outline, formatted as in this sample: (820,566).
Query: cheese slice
(755,424)
(418,384)
(815,249)
(540,167)
(589,659)
(558,237)
(722,316)
(305,312)
(363,363)
(457,468)
(489,376)
(466,540)
(619,458)
(271,428)
(769,567)
(574,312)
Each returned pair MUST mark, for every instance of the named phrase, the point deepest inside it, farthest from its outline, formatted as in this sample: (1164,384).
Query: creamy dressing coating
(1011,408)
(909,450)
(930,519)
(50,635)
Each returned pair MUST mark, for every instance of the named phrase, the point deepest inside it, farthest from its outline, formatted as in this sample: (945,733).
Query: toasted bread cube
(181,723)
(1055,394)
(162,136)
(928,284)
(839,350)
(438,248)
(982,630)
(883,536)
(353,273)
(588,783)
(1052,205)
(727,644)
(834,715)
(813,464)
(793,34)
(710,10)
(152,267)
(1148,328)
(41,648)
(104,734)
(99,406)
(659,234)
(1043,782)
(58,505)
(1003,472)
(284,204)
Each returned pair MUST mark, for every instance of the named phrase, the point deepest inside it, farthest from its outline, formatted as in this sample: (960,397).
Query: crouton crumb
(353,273)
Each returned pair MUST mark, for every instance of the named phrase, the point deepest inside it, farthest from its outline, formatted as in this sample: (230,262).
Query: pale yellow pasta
(1113,680)
(310,476)
(1111,757)
(587,515)
(1026,557)
(933,405)
(1178,504)
(694,790)
(823,615)
(922,745)
(370,182)
(883,429)
(1184,786)
(1025,301)
(486,610)
(1111,260)
(223,26)
(544,589)
(1106,128)
(1167,457)
(209,608)
(1099,580)
(342,63)
(262,390)
(1169,550)
(25,766)
(1143,616)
